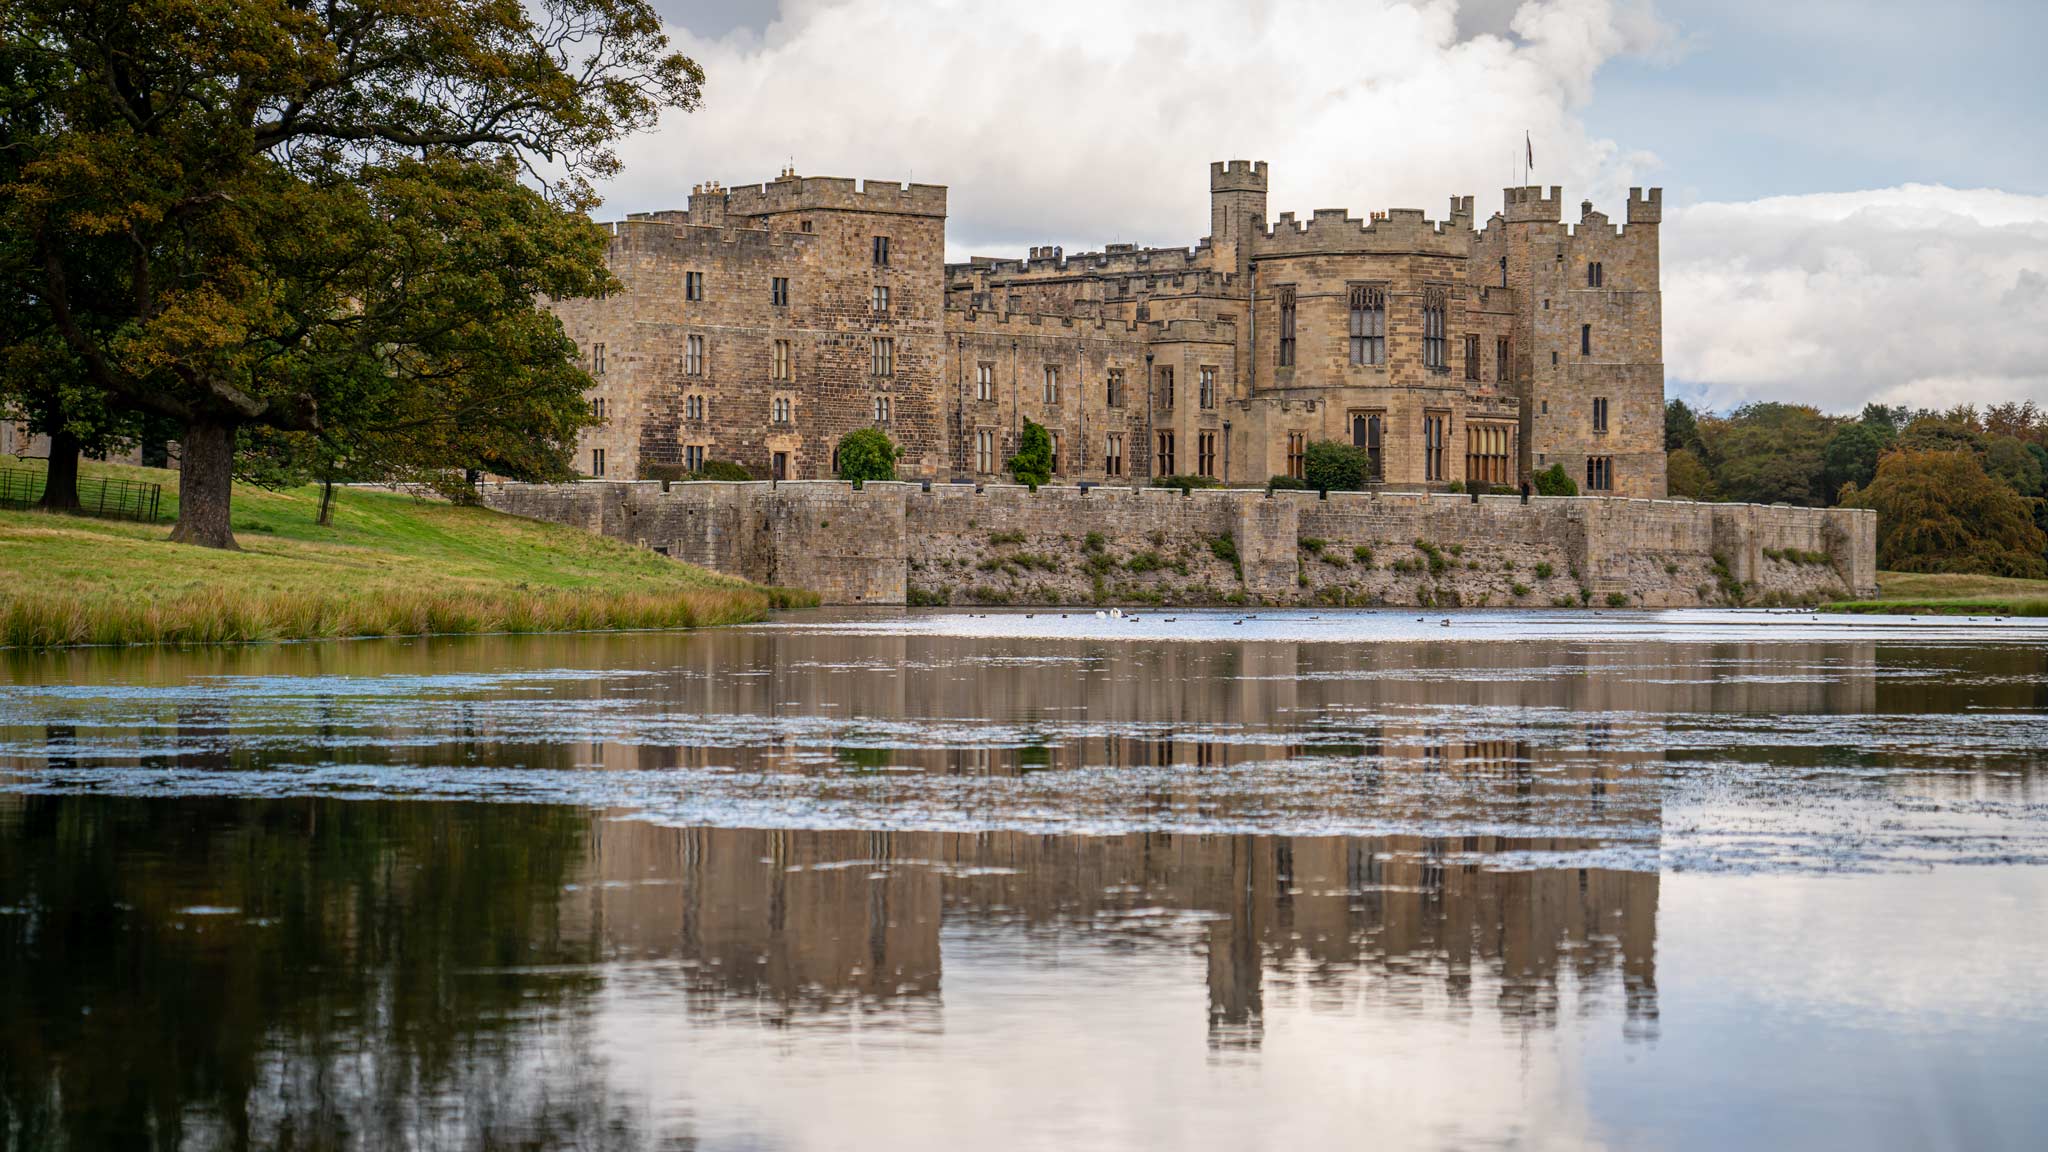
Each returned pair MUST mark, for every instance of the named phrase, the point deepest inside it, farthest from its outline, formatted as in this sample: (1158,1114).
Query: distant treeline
(1960,490)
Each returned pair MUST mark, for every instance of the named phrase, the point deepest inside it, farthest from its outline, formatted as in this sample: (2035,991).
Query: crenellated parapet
(1529,205)
(819,193)
(1397,230)
(1644,209)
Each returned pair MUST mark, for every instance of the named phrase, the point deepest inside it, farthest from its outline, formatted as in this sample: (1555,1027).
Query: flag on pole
(1530,148)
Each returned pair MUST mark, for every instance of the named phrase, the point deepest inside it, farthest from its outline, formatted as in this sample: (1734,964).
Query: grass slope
(1944,593)
(388,565)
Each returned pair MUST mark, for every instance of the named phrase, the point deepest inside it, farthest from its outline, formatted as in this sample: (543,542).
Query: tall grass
(216,616)
(1995,606)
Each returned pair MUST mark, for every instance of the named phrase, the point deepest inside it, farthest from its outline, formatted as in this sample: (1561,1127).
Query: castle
(766,322)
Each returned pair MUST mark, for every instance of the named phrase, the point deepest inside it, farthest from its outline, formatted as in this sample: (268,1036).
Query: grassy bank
(1925,593)
(388,565)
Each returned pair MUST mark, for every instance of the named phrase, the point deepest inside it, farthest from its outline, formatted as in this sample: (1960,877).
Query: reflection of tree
(380,984)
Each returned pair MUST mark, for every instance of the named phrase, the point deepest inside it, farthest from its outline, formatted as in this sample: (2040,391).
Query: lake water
(1041,880)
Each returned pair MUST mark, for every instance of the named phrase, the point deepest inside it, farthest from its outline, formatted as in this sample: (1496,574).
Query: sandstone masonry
(902,543)
(764,322)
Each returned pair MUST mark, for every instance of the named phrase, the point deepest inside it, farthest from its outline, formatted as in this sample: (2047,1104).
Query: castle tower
(1237,212)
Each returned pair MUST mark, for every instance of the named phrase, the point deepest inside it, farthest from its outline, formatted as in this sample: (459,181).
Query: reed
(218,616)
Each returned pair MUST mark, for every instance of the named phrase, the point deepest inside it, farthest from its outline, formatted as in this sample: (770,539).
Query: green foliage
(927,597)
(1099,564)
(1519,589)
(2015,465)
(1681,429)
(725,471)
(1770,453)
(1334,466)
(1033,462)
(1437,563)
(1850,456)
(1311,543)
(1186,481)
(1363,555)
(866,454)
(1147,561)
(1617,599)
(1939,511)
(1092,542)
(998,539)
(1544,571)
(1286,484)
(1555,482)
(1687,477)
(1457,486)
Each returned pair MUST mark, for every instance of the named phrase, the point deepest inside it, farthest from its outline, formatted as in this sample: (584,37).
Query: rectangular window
(1052,384)
(1166,387)
(1287,327)
(693,285)
(881,409)
(597,408)
(1471,357)
(778,291)
(1599,473)
(780,363)
(778,465)
(1435,441)
(1162,463)
(782,408)
(1599,413)
(1205,453)
(1114,392)
(882,356)
(1367,432)
(1297,454)
(1500,360)
(1113,455)
(1368,325)
(1208,385)
(1486,454)
(881,251)
(984,381)
(693,406)
(1055,438)
(1594,275)
(597,359)
(693,356)
(985,451)
(597,461)
(1585,339)
(693,457)
(881,300)
(1434,303)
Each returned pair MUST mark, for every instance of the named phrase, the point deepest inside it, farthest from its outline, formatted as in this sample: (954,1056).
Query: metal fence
(113,498)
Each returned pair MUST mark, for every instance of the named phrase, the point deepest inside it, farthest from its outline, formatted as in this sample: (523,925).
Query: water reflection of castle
(793,925)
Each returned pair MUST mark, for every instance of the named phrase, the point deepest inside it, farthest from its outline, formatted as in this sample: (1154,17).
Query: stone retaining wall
(1003,544)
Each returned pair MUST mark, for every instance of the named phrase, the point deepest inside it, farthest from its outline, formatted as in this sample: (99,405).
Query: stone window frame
(879,299)
(1113,389)
(782,409)
(778,292)
(1165,385)
(881,251)
(985,381)
(1585,340)
(1472,356)
(882,356)
(694,456)
(882,409)
(1285,299)
(1489,452)
(693,286)
(1436,311)
(782,361)
(1207,394)
(1205,453)
(1052,385)
(597,463)
(1369,435)
(693,355)
(988,456)
(1503,359)
(1297,455)
(597,408)
(1599,473)
(597,359)
(1436,437)
(1596,276)
(695,407)
(1601,410)
(1113,454)
(1162,457)
(1367,304)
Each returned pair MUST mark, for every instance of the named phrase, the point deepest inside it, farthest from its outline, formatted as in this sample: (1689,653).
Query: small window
(778,291)
(882,356)
(806,225)
(693,406)
(1599,413)
(693,457)
(1599,473)
(1435,438)
(1500,359)
(781,365)
(881,409)
(1052,384)
(781,410)
(985,455)
(881,300)
(1208,388)
(1114,390)
(1585,339)
(985,381)
(1166,387)
(1503,271)
(881,251)
(693,286)
(1287,327)
(597,408)
(597,359)
(693,356)
(1055,438)
(1113,455)
(1162,464)
(1368,325)
(1297,454)
(1435,356)
(1205,453)
(597,461)
(1594,276)
(1471,357)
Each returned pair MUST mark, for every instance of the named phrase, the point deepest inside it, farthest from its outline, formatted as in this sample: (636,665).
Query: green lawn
(389,564)
(1953,594)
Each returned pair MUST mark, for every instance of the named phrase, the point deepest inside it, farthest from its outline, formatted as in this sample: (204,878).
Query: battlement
(674,231)
(1237,176)
(794,193)
(1461,211)
(976,322)
(1393,230)
(1528,205)
(1645,210)
(1117,259)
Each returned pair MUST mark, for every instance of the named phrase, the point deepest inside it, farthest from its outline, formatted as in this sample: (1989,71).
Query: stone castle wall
(901,543)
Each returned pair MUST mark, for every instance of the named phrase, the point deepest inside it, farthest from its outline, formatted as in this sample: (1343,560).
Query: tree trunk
(206,478)
(60,487)
(326,499)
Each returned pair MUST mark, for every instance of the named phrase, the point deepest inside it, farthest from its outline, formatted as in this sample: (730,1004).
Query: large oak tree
(323,218)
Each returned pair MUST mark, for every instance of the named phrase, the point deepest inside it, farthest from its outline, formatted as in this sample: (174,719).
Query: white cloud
(1918,295)
(1080,122)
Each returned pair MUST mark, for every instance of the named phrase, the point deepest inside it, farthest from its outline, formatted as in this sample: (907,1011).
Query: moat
(1050,879)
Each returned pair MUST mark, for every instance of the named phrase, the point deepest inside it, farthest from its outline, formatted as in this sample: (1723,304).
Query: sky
(1856,193)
